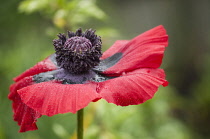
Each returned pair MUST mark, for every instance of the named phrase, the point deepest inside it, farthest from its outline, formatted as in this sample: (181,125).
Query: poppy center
(78,45)
(79,53)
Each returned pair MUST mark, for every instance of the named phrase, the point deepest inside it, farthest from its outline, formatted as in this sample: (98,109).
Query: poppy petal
(23,115)
(144,51)
(132,88)
(48,64)
(114,48)
(18,85)
(52,98)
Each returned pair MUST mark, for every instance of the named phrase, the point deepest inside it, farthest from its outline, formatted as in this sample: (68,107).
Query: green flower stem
(80,114)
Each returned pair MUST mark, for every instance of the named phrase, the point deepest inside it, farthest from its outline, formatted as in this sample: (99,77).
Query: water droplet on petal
(97,88)
(124,73)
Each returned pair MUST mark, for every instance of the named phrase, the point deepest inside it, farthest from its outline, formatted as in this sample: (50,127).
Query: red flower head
(126,74)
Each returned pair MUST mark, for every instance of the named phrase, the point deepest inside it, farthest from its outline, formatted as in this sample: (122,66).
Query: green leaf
(29,6)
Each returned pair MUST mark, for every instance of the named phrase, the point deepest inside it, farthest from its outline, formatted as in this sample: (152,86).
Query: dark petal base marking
(53,59)
(68,78)
(48,64)
(45,77)
(108,62)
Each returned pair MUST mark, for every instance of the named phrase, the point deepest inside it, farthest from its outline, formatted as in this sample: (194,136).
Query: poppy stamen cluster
(79,53)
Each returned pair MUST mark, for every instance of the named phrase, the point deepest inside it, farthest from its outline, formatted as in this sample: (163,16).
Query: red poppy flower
(126,74)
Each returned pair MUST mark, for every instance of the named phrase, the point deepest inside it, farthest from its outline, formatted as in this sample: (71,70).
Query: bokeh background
(179,111)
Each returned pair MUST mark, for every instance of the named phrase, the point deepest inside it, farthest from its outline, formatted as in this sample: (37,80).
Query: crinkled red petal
(114,48)
(23,115)
(42,66)
(132,88)
(52,98)
(18,85)
(144,51)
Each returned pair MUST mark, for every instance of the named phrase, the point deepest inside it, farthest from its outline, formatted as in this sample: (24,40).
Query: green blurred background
(179,111)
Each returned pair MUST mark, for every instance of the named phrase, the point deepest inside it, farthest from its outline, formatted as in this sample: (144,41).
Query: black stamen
(80,52)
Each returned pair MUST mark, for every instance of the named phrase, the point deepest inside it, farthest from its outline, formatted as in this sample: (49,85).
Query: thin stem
(80,124)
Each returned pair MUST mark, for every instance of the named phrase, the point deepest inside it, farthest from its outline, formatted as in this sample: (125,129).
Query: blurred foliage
(151,120)
(68,14)
(65,13)
(26,39)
